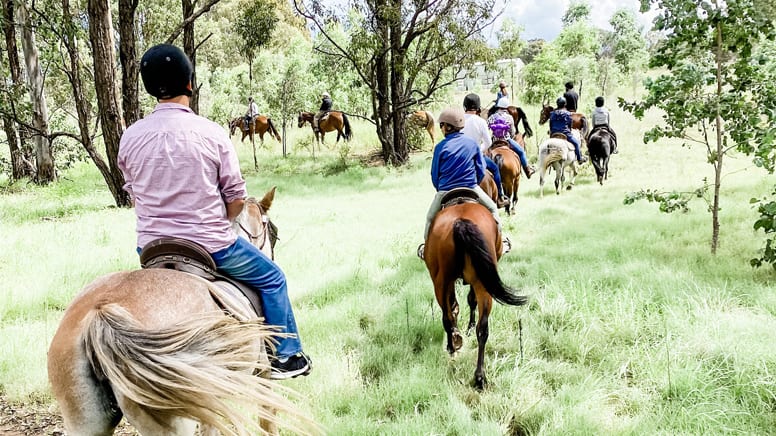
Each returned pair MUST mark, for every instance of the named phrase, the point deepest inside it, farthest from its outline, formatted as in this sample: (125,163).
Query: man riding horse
(457,163)
(326,105)
(251,114)
(560,122)
(183,176)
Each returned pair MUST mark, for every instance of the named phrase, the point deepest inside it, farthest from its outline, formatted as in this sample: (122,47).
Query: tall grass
(633,327)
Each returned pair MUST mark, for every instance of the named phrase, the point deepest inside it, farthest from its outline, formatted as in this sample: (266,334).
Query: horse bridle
(268,229)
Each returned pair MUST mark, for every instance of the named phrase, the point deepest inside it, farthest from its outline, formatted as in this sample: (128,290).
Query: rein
(267,228)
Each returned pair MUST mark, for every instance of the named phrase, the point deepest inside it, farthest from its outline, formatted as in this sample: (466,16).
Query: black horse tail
(470,241)
(522,115)
(348,132)
(272,130)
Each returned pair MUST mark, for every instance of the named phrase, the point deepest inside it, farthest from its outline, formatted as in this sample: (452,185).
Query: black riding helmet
(166,71)
(560,102)
(471,102)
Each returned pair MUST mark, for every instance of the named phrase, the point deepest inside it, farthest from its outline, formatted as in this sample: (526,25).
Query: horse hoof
(480,382)
(457,340)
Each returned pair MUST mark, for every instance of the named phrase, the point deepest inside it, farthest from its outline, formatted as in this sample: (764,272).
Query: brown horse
(518,115)
(489,186)
(464,242)
(578,119)
(155,346)
(260,125)
(425,120)
(332,121)
(509,167)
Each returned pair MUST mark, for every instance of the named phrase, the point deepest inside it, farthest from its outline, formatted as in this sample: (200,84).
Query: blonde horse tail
(200,368)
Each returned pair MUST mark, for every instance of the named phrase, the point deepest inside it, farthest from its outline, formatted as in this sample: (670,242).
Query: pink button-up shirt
(180,170)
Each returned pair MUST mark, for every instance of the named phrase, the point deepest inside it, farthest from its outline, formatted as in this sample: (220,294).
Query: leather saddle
(459,196)
(189,257)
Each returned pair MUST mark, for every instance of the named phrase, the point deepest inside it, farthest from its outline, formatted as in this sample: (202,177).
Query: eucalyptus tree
(544,76)
(717,91)
(11,91)
(577,45)
(254,27)
(45,171)
(403,52)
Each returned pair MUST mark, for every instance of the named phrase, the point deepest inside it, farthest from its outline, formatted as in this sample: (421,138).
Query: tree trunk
(44,160)
(81,103)
(382,107)
(191,51)
(719,151)
(101,36)
(15,143)
(400,151)
(130,65)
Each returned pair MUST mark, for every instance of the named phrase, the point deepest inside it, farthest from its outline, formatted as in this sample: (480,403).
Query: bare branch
(175,33)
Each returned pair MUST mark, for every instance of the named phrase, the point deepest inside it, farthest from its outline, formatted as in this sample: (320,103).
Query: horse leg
(573,178)
(472,300)
(484,302)
(87,405)
(558,176)
(445,293)
(158,423)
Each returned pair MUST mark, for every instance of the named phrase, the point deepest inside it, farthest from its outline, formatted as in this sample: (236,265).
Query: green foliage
(532,49)
(668,201)
(718,73)
(255,26)
(767,223)
(628,45)
(510,45)
(578,11)
(543,77)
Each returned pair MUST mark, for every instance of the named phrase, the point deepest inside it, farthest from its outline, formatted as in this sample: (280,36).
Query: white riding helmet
(325,95)
(502,103)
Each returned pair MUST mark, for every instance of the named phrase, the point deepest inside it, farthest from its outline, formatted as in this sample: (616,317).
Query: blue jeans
(572,139)
(520,153)
(489,164)
(244,262)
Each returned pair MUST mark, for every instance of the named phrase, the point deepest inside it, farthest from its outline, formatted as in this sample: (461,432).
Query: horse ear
(266,202)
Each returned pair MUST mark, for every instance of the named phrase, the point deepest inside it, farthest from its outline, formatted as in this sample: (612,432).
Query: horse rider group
(460,159)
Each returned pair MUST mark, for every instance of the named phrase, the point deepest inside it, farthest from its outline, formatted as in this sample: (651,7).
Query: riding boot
(502,201)
(529,171)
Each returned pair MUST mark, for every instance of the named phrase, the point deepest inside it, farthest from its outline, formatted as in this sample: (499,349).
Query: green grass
(633,327)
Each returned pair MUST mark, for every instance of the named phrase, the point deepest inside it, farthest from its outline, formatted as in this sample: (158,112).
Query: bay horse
(154,346)
(599,146)
(489,186)
(260,125)
(578,119)
(464,242)
(425,120)
(510,169)
(558,153)
(518,116)
(334,120)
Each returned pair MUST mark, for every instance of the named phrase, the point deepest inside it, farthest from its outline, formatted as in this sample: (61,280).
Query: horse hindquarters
(480,271)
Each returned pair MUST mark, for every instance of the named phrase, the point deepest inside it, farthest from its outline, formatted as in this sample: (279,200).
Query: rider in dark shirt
(560,122)
(326,104)
(571,96)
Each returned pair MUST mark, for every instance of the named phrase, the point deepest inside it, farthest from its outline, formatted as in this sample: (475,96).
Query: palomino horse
(558,153)
(154,346)
(332,121)
(509,167)
(599,146)
(518,115)
(464,242)
(578,120)
(425,120)
(260,125)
